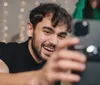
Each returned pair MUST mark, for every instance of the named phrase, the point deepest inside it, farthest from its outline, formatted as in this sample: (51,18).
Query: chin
(45,57)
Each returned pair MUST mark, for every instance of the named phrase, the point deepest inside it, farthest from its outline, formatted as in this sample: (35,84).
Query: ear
(30,30)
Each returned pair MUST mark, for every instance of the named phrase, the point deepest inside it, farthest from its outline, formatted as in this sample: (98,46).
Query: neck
(31,50)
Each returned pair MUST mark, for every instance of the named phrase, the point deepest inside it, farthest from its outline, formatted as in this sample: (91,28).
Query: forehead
(48,23)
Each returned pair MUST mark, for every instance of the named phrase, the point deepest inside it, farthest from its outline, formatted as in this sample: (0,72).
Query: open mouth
(49,48)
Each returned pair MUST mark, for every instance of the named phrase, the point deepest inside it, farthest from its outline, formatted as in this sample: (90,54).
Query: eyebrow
(49,28)
(63,33)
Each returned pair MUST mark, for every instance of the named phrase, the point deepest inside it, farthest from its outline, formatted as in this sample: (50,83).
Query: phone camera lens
(92,50)
(81,28)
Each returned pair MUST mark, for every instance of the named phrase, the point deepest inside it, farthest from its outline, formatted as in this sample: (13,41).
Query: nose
(53,40)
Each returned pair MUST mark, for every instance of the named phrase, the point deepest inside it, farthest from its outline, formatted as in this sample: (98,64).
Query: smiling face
(46,37)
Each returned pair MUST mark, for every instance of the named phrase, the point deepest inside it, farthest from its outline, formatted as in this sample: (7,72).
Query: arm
(54,69)
(24,78)
(78,13)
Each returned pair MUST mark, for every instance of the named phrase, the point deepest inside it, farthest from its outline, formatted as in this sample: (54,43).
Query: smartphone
(88,31)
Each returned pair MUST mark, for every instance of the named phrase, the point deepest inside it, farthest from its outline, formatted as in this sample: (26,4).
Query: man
(42,59)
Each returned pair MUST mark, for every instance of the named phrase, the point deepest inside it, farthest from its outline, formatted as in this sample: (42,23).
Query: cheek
(37,40)
(40,39)
(61,41)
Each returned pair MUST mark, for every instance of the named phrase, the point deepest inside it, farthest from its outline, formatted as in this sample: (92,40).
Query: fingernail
(84,58)
(77,78)
(83,66)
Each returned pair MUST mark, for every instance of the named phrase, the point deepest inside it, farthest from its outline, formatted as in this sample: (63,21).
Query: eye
(62,36)
(47,32)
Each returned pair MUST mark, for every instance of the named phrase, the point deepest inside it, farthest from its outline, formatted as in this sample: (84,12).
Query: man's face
(46,38)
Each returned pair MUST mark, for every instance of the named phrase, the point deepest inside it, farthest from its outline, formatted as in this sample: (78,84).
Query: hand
(61,61)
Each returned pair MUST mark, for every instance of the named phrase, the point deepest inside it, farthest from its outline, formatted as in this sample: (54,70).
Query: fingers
(68,42)
(63,76)
(65,65)
(69,77)
(71,55)
(67,59)
(62,60)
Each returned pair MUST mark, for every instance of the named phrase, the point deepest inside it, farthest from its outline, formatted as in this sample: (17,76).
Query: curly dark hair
(59,14)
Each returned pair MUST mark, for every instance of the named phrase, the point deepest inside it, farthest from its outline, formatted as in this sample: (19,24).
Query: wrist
(41,78)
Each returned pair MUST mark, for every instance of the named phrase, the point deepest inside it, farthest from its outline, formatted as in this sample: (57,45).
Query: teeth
(50,49)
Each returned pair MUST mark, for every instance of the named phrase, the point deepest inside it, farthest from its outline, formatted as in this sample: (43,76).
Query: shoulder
(6,48)
(2,44)
(10,45)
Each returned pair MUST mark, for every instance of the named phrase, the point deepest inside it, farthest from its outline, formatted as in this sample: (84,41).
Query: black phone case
(89,33)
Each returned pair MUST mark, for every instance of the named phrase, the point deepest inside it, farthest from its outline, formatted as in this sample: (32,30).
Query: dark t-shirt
(18,58)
